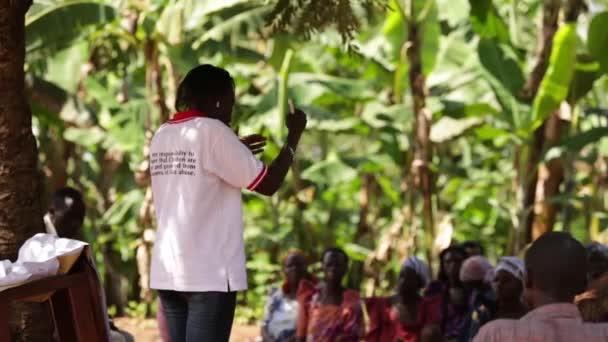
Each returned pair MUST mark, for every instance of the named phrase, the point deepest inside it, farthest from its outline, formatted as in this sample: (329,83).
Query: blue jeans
(198,316)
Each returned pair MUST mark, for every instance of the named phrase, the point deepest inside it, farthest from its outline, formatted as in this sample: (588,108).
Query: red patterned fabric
(328,323)
(384,324)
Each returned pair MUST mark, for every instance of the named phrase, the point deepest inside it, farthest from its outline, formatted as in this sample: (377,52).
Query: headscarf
(513,265)
(420,267)
(476,268)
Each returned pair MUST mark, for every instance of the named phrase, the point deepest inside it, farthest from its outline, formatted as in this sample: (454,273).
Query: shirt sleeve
(486,334)
(229,159)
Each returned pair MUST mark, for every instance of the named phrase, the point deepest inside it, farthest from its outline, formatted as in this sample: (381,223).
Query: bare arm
(277,171)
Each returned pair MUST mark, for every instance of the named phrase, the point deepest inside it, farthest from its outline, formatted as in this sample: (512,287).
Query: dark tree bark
(423,176)
(20,181)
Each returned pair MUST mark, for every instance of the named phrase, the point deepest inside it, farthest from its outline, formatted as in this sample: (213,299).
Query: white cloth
(38,258)
(511,264)
(198,167)
(420,267)
(281,315)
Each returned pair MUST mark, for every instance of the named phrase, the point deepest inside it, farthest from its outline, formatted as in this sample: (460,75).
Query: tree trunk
(528,173)
(545,186)
(20,182)
(550,177)
(424,180)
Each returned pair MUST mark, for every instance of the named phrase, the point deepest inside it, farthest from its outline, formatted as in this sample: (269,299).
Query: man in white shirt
(198,167)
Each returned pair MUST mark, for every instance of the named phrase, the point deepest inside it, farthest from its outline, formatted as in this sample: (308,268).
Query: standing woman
(329,312)
(199,167)
(403,316)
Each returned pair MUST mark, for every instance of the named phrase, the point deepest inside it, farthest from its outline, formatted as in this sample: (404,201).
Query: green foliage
(554,87)
(502,63)
(67,20)
(486,21)
(101,97)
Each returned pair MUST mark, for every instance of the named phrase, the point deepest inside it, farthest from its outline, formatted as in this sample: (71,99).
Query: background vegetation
(430,120)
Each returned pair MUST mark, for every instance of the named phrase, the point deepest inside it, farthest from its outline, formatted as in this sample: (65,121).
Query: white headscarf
(420,267)
(513,265)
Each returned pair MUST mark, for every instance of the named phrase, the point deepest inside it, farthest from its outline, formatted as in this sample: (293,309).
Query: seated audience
(476,275)
(402,317)
(556,271)
(281,313)
(508,280)
(328,312)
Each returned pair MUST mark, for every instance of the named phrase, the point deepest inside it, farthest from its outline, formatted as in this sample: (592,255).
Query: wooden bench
(76,303)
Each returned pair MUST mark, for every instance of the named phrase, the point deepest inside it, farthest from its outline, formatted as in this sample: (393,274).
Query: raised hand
(296,123)
(254,142)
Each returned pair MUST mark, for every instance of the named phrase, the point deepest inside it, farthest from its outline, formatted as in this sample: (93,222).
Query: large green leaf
(86,137)
(576,142)
(486,21)
(197,11)
(448,128)
(227,26)
(428,18)
(556,82)
(58,26)
(329,172)
(597,39)
(502,63)
(170,24)
(586,72)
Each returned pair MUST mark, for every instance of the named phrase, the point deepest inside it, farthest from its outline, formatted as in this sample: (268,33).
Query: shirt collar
(554,311)
(186,115)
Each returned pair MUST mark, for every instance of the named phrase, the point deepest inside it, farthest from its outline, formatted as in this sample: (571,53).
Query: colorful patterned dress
(329,323)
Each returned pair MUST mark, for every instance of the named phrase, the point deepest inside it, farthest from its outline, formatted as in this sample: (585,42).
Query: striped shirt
(555,322)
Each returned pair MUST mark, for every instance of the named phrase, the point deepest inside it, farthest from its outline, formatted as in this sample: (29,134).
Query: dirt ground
(147,330)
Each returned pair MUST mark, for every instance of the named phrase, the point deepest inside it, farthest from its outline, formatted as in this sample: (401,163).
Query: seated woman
(401,317)
(509,283)
(281,314)
(476,275)
(449,295)
(328,312)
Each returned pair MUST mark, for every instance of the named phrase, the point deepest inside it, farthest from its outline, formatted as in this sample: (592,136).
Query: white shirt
(281,315)
(198,167)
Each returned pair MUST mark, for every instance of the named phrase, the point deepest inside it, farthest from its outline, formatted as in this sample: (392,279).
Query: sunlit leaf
(448,128)
(87,137)
(556,82)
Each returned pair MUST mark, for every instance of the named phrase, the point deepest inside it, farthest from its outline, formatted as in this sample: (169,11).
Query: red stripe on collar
(185,116)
